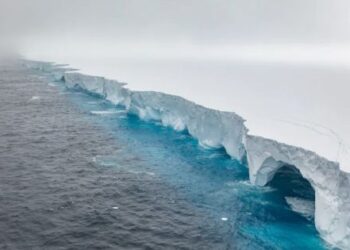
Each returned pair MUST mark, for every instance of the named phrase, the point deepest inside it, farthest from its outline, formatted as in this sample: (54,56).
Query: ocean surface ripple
(77,173)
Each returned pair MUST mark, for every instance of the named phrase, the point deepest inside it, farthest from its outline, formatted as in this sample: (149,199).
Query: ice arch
(226,129)
(297,191)
(332,200)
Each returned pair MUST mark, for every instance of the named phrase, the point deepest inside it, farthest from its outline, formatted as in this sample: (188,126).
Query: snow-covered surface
(331,185)
(215,128)
(212,128)
(301,105)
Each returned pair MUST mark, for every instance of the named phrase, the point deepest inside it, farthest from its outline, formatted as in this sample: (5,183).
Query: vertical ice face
(110,90)
(331,185)
(215,128)
(212,128)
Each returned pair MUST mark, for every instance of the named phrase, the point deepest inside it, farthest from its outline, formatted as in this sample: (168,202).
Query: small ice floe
(34,98)
(107,112)
(51,84)
(224,218)
(141,172)
(115,208)
(105,160)
(302,206)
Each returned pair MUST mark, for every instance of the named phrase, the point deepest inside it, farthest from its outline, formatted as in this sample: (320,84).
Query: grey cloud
(199,21)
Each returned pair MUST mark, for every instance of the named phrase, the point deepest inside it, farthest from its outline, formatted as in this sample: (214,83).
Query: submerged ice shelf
(218,129)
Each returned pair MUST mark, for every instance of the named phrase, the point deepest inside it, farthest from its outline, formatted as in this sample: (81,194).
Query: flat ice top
(305,106)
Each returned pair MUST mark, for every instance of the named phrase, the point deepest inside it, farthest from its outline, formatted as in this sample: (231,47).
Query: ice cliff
(331,185)
(215,128)
(212,128)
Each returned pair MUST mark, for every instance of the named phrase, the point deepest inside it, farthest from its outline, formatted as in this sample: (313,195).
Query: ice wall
(212,128)
(110,90)
(331,185)
(215,128)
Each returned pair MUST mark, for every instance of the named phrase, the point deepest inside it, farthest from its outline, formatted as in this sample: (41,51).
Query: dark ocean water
(78,173)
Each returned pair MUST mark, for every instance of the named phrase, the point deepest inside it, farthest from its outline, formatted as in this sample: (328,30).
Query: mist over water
(78,173)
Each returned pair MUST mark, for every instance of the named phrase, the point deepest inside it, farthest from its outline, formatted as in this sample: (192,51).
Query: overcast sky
(157,26)
(267,60)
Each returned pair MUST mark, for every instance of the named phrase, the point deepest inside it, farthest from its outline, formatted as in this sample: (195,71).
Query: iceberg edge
(213,128)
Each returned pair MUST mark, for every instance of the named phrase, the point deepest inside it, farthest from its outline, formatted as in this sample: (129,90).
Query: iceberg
(331,185)
(110,90)
(219,129)
(212,128)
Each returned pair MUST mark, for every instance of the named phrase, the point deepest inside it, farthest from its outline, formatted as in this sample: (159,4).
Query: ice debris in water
(52,84)
(35,98)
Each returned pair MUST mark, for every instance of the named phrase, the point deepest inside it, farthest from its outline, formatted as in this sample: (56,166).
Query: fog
(282,65)
(311,30)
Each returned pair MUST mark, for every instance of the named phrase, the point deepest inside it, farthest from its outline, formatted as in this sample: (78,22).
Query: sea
(77,172)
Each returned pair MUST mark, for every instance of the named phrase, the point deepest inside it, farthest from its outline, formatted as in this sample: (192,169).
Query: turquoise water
(249,217)
(78,173)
